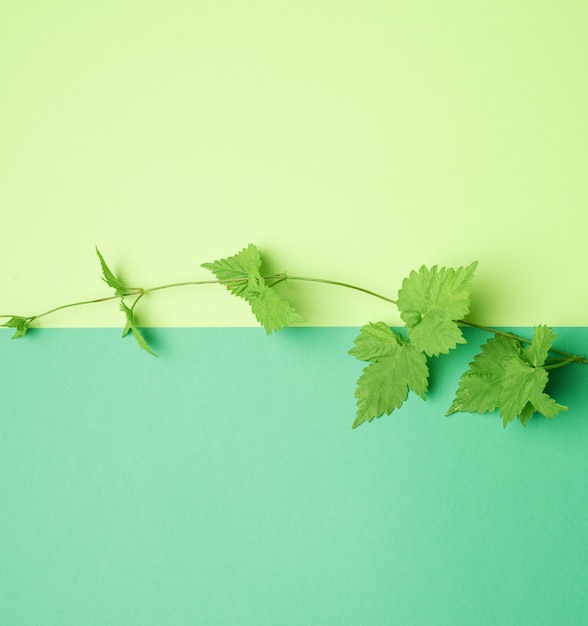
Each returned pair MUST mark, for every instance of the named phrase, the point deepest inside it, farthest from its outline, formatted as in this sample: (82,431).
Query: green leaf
(235,270)
(520,383)
(384,384)
(480,386)
(527,413)
(374,342)
(542,340)
(436,333)
(131,326)
(109,278)
(241,274)
(546,405)
(270,309)
(430,303)
(21,324)
(501,378)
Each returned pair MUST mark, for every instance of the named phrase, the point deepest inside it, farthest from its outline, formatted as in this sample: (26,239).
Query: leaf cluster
(396,366)
(241,274)
(431,301)
(509,376)
(121,290)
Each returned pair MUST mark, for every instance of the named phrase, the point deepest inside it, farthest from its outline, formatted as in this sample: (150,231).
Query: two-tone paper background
(354,141)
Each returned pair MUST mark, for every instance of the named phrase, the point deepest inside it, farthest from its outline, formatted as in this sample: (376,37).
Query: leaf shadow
(152,337)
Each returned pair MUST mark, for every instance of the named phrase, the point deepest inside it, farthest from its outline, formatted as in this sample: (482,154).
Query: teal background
(222,484)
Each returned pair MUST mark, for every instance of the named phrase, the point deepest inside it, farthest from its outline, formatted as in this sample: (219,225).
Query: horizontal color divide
(221,483)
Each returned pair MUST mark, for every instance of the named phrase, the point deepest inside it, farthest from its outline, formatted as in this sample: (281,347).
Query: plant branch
(572,359)
(569,357)
(341,284)
(282,277)
(84,302)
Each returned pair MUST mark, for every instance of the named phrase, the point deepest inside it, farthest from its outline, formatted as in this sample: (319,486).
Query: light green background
(350,140)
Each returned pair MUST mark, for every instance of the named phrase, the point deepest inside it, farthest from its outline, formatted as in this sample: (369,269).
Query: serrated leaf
(480,387)
(547,406)
(430,303)
(375,340)
(109,278)
(384,384)
(270,309)
(500,378)
(436,333)
(523,386)
(241,274)
(235,270)
(543,338)
(527,413)
(474,394)
(520,382)
(131,326)
(20,324)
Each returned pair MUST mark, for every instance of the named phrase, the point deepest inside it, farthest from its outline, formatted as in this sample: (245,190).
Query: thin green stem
(563,362)
(489,329)
(282,277)
(84,302)
(341,284)
(137,300)
(280,280)
(189,283)
(135,291)
(186,283)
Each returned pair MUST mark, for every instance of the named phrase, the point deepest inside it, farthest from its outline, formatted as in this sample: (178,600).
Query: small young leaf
(109,278)
(236,269)
(536,353)
(270,309)
(131,326)
(21,324)
(430,302)
(384,384)
(241,274)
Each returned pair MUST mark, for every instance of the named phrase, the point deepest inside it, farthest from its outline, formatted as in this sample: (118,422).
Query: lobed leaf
(480,386)
(431,301)
(375,341)
(520,383)
(543,338)
(500,377)
(396,368)
(235,270)
(241,274)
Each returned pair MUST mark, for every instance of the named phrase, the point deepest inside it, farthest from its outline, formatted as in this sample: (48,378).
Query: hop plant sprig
(508,377)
